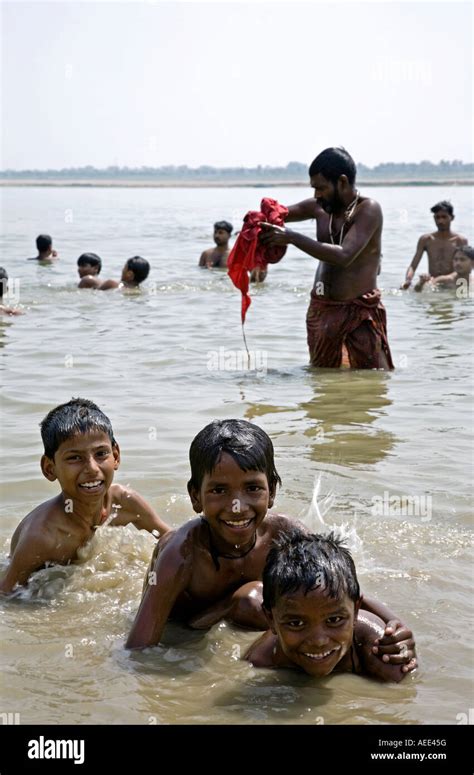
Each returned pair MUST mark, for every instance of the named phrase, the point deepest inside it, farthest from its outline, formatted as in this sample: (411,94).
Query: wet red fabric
(360,324)
(248,253)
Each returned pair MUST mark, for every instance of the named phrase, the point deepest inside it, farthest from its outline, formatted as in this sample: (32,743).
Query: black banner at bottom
(80,749)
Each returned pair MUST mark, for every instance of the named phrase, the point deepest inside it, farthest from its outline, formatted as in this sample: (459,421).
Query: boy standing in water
(217,257)
(311,598)
(80,451)
(211,567)
(440,246)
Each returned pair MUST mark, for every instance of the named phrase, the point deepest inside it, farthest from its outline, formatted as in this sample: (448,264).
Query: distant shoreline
(124,183)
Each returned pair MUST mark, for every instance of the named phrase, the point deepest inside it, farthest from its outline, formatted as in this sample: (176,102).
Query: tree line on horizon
(294,171)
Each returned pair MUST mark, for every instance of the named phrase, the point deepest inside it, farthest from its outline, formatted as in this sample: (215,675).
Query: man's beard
(335,205)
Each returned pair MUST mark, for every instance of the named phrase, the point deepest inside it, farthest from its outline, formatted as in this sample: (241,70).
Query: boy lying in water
(311,598)
(80,451)
(211,567)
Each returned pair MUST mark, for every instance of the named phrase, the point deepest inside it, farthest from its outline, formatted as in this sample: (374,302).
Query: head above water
(463,258)
(332,163)
(44,243)
(301,562)
(246,443)
(443,214)
(89,263)
(3,281)
(136,270)
(224,226)
(443,205)
(77,416)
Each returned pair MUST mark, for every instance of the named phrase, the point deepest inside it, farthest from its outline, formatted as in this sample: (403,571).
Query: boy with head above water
(44,246)
(134,272)
(311,599)
(80,451)
(439,246)
(211,567)
(217,257)
(88,265)
(463,259)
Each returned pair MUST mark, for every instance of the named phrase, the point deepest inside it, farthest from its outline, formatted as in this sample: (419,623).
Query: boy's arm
(420,249)
(397,645)
(30,554)
(203,259)
(367,631)
(302,211)
(444,278)
(169,577)
(422,280)
(135,509)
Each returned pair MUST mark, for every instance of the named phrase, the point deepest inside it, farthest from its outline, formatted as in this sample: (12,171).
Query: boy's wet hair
(140,268)
(467,250)
(223,225)
(299,560)
(90,259)
(332,163)
(3,280)
(443,205)
(249,445)
(43,242)
(77,416)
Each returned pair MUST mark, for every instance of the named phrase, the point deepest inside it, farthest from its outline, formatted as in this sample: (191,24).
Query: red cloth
(360,324)
(248,253)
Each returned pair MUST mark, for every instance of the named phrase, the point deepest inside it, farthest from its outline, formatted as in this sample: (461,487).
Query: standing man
(346,320)
(440,246)
(217,257)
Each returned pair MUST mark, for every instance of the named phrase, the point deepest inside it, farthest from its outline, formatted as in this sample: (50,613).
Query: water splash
(318,517)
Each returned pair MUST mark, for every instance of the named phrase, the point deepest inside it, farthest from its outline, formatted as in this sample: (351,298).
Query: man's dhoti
(359,324)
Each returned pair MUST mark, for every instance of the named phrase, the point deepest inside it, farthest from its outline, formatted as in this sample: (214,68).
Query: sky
(233,83)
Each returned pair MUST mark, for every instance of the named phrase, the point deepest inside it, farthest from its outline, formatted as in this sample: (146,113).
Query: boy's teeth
(91,484)
(238,523)
(320,656)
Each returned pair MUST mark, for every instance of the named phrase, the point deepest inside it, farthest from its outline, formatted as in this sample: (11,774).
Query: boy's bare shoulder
(38,523)
(260,653)
(181,539)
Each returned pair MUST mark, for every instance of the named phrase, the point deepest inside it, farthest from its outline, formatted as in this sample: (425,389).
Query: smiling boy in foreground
(80,451)
(211,567)
(311,599)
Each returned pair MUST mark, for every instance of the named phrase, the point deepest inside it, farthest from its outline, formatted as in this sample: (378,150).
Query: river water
(384,458)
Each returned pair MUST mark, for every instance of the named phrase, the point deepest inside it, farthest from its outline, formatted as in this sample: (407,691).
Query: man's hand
(405,285)
(397,646)
(274,235)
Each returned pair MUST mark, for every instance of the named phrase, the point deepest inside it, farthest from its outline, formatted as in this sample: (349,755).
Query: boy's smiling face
(234,502)
(314,631)
(84,466)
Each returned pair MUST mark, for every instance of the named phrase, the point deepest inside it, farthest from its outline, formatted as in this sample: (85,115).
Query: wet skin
(348,270)
(84,465)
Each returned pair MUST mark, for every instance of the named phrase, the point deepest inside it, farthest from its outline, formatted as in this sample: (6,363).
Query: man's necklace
(348,213)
